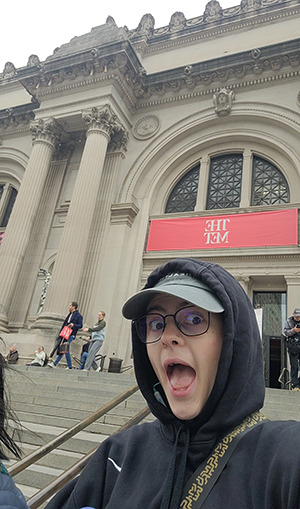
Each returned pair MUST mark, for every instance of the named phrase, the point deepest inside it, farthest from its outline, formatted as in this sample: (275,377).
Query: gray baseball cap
(297,312)
(179,285)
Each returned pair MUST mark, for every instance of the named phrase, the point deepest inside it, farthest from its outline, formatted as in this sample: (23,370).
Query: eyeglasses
(190,321)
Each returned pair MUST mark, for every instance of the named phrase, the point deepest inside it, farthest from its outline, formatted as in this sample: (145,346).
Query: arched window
(225,182)
(184,195)
(269,184)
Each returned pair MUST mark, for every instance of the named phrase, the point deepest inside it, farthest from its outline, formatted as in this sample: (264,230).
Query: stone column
(69,264)
(4,199)
(100,223)
(45,136)
(39,236)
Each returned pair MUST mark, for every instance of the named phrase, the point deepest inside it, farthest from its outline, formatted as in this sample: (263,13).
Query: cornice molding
(49,90)
(17,118)
(273,63)
(117,63)
(250,83)
(249,13)
(222,258)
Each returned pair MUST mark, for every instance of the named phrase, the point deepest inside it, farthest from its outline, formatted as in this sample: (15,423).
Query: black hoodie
(147,466)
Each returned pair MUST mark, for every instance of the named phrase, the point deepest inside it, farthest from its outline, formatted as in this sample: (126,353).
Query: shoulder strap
(207,474)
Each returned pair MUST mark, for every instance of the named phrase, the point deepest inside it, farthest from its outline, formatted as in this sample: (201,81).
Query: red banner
(278,228)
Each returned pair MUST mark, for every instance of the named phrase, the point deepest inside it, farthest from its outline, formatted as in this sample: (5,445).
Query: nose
(171,334)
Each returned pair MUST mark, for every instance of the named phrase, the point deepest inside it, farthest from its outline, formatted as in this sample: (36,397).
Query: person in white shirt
(40,357)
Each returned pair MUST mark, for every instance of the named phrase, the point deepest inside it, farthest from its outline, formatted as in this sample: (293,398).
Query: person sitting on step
(40,358)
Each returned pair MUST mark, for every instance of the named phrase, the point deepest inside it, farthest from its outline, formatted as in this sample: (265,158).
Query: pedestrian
(40,358)
(292,333)
(84,354)
(74,321)
(198,361)
(98,336)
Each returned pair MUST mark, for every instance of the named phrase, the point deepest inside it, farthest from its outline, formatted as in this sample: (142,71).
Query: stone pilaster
(246,283)
(45,135)
(293,293)
(101,124)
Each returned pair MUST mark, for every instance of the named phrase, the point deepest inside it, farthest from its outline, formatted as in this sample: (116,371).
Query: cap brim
(136,306)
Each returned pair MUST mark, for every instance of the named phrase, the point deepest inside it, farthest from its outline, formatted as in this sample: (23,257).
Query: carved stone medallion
(146,127)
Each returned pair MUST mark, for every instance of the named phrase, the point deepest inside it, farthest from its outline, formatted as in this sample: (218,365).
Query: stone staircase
(282,404)
(48,401)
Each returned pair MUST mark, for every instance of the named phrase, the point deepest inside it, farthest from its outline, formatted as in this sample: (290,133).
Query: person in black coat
(292,333)
(74,321)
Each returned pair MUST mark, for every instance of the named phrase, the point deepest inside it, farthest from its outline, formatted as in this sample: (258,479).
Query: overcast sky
(38,28)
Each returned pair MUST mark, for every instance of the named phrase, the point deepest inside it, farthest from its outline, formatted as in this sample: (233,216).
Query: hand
(85,330)
(71,325)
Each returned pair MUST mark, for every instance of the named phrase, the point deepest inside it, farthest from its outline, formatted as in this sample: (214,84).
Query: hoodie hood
(239,386)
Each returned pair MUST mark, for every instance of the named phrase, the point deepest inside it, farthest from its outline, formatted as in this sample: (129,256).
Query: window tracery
(184,195)
(269,184)
(225,182)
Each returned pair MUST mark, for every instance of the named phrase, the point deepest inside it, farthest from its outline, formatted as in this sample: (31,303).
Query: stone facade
(95,138)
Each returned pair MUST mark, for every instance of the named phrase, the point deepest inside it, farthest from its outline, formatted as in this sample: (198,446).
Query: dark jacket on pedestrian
(292,337)
(148,466)
(76,319)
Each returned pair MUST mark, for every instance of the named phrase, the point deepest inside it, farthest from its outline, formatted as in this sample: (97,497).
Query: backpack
(46,359)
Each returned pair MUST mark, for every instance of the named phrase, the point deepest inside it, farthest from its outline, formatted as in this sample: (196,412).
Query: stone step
(282,404)
(72,413)
(49,401)
(105,425)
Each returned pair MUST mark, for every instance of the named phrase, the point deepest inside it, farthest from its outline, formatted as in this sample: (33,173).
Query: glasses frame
(135,322)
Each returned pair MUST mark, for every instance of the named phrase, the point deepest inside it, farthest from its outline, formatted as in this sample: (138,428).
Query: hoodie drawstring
(175,477)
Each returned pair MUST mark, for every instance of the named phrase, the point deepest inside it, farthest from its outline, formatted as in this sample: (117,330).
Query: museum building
(127,148)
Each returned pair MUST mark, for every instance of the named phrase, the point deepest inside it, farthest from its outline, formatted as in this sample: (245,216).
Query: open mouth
(180,376)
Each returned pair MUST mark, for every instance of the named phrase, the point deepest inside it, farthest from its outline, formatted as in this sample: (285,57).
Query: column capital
(103,119)
(118,140)
(292,279)
(246,282)
(64,150)
(46,130)
(123,213)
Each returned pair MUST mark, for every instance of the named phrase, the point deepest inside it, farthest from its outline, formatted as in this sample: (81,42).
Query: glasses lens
(150,327)
(192,322)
